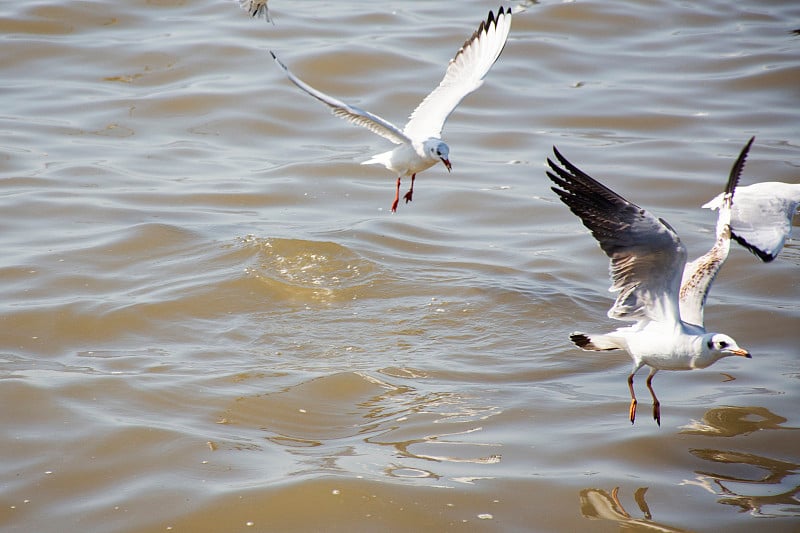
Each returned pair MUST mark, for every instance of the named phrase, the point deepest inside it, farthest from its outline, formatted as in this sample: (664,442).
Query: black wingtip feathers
(738,167)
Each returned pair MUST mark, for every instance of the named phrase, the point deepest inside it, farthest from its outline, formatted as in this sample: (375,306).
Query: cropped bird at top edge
(761,218)
(256,8)
(419,143)
(657,289)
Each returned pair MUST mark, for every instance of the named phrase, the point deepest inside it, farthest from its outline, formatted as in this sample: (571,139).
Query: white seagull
(761,218)
(658,290)
(420,146)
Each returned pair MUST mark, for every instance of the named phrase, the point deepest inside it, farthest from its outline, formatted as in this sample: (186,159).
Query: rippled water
(210,320)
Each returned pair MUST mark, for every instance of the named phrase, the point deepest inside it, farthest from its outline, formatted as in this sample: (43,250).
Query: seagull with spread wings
(658,290)
(419,143)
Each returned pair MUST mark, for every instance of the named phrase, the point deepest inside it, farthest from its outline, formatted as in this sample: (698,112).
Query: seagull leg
(656,403)
(410,192)
(632,410)
(396,196)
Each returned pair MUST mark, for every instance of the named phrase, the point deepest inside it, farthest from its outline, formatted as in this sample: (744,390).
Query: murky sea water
(210,320)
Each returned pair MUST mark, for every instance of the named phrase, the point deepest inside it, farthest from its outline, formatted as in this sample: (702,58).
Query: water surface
(210,320)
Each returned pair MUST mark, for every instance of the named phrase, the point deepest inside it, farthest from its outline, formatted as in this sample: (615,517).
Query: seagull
(761,218)
(658,290)
(419,143)
(256,8)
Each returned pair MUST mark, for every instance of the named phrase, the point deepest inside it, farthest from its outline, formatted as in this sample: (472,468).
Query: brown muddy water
(210,320)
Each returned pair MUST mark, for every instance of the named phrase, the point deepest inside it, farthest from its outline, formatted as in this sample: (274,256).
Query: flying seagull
(658,290)
(761,218)
(419,143)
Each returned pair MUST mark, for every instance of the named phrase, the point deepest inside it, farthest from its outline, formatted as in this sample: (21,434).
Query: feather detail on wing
(353,114)
(464,74)
(647,257)
(698,275)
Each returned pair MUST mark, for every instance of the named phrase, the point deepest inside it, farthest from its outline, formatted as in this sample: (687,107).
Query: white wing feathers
(353,114)
(761,218)
(464,74)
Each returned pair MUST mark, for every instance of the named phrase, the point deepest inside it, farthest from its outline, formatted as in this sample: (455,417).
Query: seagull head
(720,345)
(440,150)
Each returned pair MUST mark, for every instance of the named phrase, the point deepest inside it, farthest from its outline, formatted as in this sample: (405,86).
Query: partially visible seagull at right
(419,143)
(761,219)
(659,291)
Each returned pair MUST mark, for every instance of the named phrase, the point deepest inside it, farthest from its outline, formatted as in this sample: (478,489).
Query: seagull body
(761,217)
(658,290)
(419,143)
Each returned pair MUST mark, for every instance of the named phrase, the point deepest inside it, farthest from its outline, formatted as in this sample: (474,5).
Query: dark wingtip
(758,252)
(484,26)
(490,19)
(738,166)
(558,154)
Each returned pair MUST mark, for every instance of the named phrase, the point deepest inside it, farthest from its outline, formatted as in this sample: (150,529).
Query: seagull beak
(742,353)
(447,164)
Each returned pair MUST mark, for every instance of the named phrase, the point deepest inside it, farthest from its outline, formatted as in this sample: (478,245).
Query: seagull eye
(723,344)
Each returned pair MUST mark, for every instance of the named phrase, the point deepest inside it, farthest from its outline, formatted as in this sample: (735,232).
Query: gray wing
(698,275)
(464,74)
(647,257)
(351,113)
(761,216)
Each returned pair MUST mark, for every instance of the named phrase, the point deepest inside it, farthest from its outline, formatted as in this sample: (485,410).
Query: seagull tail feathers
(384,159)
(595,343)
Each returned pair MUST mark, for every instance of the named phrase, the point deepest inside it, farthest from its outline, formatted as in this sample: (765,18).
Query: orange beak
(447,164)
(742,353)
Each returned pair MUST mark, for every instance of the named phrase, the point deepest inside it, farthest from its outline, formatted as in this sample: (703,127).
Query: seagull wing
(647,257)
(353,114)
(464,74)
(698,275)
(761,217)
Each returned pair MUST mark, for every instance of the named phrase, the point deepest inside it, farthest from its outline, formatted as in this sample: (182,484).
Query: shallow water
(210,320)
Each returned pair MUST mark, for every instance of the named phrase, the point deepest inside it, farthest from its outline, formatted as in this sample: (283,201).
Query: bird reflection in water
(729,421)
(598,504)
(761,485)
(772,489)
